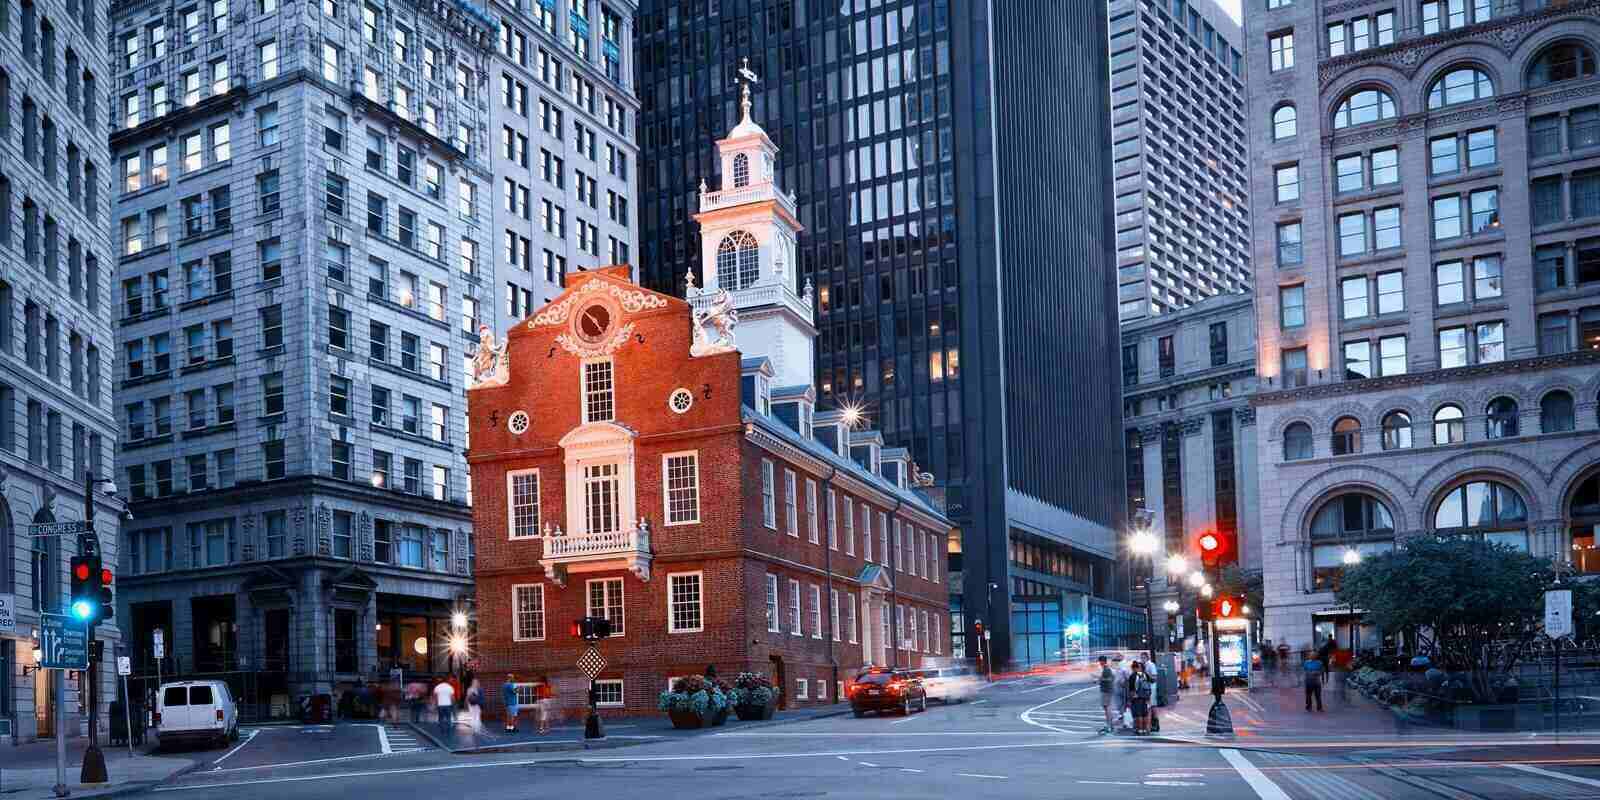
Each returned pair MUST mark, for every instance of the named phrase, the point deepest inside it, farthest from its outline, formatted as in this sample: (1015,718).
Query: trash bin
(317,708)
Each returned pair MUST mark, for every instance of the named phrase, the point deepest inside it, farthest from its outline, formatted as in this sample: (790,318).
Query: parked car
(952,684)
(887,690)
(196,712)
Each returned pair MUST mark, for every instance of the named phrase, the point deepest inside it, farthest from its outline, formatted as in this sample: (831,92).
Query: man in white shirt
(444,699)
(1155,689)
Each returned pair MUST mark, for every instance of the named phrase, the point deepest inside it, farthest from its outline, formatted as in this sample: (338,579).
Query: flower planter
(750,712)
(685,720)
(719,716)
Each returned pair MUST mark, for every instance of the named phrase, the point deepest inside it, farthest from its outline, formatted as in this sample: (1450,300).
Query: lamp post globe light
(1352,557)
(1143,544)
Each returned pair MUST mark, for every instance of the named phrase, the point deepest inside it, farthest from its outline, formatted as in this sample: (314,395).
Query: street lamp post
(1144,545)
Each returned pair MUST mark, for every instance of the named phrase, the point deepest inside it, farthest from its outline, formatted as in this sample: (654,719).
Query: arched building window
(1397,431)
(1449,425)
(1297,442)
(1346,436)
(1347,528)
(1564,61)
(738,261)
(1462,85)
(741,170)
(1584,516)
(1556,413)
(1502,418)
(1486,510)
(1284,124)
(1359,108)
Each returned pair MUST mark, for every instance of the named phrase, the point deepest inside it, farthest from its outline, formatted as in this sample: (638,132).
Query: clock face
(594,322)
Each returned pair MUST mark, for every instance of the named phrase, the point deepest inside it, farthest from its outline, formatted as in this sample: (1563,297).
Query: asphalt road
(1029,738)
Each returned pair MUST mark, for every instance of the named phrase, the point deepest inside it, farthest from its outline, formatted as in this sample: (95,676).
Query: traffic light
(592,628)
(1216,547)
(85,588)
(1227,607)
(107,600)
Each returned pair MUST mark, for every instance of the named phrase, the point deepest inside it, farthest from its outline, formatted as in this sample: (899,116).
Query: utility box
(1167,678)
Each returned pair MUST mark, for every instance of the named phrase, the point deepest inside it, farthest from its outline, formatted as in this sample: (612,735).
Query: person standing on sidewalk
(1154,674)
(1119,696)
(508,696)
(1108,695)
(1139,698)
(1313,670)
(444,701)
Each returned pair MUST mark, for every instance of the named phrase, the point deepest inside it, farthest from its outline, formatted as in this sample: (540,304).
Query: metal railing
(595,544)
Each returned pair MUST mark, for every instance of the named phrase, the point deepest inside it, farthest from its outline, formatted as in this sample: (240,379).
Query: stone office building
(56,334)
(1428,287)
(1187,378)
(302,211)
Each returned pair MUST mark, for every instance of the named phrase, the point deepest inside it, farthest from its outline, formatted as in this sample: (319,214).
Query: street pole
(61,733)
(94,761)
(1149,616)
(127,713)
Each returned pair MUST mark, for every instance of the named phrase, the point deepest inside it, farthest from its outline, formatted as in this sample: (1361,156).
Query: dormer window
(764,395)
(741,170)
(599,386)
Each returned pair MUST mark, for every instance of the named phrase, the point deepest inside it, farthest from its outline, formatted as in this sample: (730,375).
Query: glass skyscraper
(957,199)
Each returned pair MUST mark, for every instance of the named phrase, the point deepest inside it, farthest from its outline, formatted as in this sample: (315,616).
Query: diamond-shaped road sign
(591,662)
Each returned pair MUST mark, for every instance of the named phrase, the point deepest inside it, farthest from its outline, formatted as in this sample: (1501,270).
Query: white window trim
(833,521)
(934,568)
(816,611)
(800,689)
(769,494)
(622,691)
(583,389)
(671,628)
(511,508)
(833,612)
(854,632)
(590,610)
(515,612)
(796,613)
(791,503)
(822,689)
(811,511)
(594,444)
(666,492)
(775,624)
(849,526)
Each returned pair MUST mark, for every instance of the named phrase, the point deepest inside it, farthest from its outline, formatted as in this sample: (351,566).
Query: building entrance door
(780,679)
(44,702)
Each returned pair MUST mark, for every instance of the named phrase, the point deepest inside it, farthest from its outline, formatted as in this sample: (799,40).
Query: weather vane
(746,79)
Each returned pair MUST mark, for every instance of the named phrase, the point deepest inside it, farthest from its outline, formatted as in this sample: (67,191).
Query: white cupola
(747,230)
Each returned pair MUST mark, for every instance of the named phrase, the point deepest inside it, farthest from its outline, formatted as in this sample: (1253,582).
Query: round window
(517,423)
(680,400)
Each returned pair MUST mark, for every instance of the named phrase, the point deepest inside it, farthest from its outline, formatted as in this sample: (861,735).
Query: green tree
(1475,606)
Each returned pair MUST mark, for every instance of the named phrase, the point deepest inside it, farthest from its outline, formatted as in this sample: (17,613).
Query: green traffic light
(82,609)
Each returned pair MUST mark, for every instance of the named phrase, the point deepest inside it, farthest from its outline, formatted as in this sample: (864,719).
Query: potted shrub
(720,702)
(753,696)
(692,702)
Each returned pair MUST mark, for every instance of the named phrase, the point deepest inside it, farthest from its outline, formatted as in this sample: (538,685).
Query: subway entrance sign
(63,642)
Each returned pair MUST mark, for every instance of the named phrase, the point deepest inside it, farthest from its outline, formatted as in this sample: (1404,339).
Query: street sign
(8,614)
(591,662)
(63,642)
(1558,613)
(160,644)
(57,528)
(124,665)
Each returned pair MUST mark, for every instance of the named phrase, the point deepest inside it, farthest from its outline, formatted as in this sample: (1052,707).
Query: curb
(136,787)
(608,743)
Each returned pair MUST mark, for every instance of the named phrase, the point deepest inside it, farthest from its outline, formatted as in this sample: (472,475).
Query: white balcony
(754,193)
(761,294)
(596,552)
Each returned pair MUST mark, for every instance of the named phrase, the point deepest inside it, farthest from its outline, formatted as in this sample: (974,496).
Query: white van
(196,711)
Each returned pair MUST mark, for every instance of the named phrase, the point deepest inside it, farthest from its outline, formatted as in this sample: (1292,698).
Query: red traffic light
(105,577)
(1216,547)
(1227,607)
(80,571)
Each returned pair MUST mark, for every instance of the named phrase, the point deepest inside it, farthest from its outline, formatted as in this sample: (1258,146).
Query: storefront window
(1485,510)
(1585,516)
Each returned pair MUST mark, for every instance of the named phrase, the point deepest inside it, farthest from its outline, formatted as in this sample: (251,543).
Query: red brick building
(629,460)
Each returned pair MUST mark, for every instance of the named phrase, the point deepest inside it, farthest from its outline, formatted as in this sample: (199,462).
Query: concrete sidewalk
(620,732)
(28,772)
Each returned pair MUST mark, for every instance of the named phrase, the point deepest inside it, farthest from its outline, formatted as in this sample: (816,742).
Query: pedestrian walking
(416,695)
(1313,669)
(444,701)
(508,695)
(1139,698)
(474,706)
(544,702)
(1119,699)
(1108,695)
(1154,675)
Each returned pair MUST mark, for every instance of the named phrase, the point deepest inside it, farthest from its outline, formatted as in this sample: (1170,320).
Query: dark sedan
(887,690)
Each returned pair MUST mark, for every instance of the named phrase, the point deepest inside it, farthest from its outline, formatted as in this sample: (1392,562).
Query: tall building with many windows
(1179,138)
(1428,287)
(952,164)
(311,234)
(56,338)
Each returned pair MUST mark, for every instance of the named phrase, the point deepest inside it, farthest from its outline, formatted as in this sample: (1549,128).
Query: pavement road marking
(383,740)
(867,764)
(1027,716)
(1263,786)
(908,769)
(1112,783)
(841,758)
(831,735)
(1557,775)
(253,733)
(908,718)
(599,760)
(1169,775)
(981,775)
(984,700)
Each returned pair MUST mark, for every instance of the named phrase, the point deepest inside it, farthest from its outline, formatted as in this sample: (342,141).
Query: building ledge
(575,553)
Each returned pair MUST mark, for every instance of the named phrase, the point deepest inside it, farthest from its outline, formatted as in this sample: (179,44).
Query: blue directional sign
(63,642)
